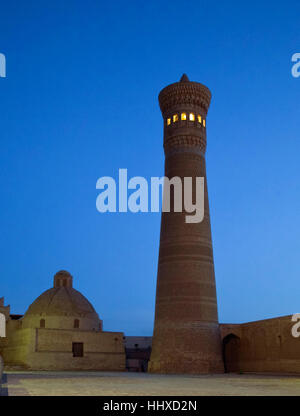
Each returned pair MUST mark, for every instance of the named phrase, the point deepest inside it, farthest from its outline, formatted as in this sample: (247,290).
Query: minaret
(186,332)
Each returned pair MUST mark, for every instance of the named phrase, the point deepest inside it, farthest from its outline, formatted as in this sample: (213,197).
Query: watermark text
(296,66)
(178,195)
(2,325)
(2,66)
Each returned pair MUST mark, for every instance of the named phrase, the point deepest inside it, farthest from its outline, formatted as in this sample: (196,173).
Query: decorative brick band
(176,142)
(180,93)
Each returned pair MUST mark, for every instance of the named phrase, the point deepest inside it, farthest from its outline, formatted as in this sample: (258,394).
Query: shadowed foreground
(109,383)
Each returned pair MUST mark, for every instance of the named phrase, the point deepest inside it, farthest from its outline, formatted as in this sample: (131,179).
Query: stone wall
(17,346)
(261,346)
(58,321)
(51,349)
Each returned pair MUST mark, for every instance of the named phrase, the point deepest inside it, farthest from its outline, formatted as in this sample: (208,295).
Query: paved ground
(109,383)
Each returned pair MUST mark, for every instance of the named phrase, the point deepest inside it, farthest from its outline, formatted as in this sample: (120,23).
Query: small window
(168,121)
(76,323)
(42,323)
(77,349)
(64,283)
(183,116)
(175,118)
(192,117)
(199,119)
(204,123)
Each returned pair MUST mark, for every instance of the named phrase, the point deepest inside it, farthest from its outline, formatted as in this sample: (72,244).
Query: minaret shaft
(186,332)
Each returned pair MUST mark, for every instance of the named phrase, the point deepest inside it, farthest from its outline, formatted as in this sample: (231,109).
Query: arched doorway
(231,353)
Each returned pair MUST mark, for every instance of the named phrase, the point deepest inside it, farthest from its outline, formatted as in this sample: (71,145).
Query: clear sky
(80,101)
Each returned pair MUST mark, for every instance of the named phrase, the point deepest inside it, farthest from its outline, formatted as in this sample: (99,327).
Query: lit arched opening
(231,353)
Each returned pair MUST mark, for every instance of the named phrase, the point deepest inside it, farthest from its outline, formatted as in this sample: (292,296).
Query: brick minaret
(186,333)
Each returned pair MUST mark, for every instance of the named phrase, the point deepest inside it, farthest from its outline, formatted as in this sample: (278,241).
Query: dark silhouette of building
(138,350)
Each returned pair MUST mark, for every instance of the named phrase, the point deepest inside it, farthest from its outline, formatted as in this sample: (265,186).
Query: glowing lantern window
(183,116)
(199,119)
(168,121)
(175,118)
(192,117)
(203,122)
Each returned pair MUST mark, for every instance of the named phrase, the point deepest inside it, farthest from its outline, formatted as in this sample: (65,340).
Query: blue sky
(80,102)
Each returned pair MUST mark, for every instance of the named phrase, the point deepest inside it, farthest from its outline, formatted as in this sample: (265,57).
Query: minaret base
(198,352)
(187,367)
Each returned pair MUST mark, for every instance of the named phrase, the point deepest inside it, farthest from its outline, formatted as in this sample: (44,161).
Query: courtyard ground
(138,384)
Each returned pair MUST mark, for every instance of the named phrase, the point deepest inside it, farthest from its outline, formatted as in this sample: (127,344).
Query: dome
(61,301)
(60,305)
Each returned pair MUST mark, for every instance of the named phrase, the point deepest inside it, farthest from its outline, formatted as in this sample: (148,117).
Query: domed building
(62,331)
(62,307)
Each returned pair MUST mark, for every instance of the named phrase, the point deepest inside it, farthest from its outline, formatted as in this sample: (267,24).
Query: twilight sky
(80,102)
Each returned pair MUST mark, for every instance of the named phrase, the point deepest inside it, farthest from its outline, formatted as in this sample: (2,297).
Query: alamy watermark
(2,325)
(296,327)
(2,66)
(188,195)
(296,66)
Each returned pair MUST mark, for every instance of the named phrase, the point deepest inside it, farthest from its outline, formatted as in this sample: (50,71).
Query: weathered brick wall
(18,346)
(265,346)
(51,349)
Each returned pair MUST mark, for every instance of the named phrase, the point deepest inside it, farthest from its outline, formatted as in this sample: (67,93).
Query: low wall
(262,346)
(51,349)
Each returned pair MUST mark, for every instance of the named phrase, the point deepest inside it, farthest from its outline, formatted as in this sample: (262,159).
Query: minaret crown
(184,95)
(184,78)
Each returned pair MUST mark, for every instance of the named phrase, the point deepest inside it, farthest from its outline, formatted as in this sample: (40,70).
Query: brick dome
(60,305)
